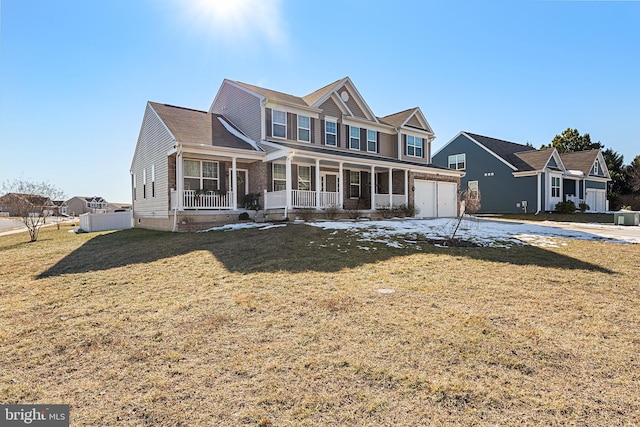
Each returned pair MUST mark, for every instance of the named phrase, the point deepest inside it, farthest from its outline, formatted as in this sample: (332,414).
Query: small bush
(567,207)
(582,207)
(243,216)
(385,211)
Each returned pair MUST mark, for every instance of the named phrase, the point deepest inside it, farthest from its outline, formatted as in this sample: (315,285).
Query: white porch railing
(382,200)
(301,199)
(208,200)
(275,199)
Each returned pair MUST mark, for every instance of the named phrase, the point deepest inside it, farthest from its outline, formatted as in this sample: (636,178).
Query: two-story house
(79,205)
(259,148)
(512,177)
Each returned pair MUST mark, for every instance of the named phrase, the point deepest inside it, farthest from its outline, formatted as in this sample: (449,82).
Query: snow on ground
(411,232)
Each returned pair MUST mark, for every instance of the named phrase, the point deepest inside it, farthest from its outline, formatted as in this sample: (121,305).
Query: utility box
(626,218)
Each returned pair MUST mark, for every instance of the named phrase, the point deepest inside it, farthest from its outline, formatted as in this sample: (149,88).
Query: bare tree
(31,201)
(469,204)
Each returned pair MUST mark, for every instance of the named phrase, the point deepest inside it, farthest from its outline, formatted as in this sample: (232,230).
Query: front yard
(301,325)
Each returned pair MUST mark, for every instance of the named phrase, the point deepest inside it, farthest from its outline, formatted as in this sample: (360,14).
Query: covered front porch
(303,181)
(201,181)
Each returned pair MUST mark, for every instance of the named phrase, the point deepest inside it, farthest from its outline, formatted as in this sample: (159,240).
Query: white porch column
(390,187)
(179,180)
(318,186)
(373,187)
(340,186)
(288,181)
(406,187)
(234,184)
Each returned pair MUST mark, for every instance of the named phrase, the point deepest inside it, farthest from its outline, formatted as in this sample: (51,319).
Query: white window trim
(375,141)
(559,186)
(303,128)
(352,137)
(304,181)
(274,124)
(415,146)
(359,184)
(202,177)
(335,134)
(457,161)
(273,176)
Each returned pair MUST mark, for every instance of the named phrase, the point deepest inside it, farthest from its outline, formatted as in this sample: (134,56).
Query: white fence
(106,221)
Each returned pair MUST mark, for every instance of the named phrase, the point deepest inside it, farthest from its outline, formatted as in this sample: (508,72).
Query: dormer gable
(346,96)
(410,118)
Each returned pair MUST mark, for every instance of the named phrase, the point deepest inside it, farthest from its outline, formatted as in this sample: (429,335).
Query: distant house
(119,207)
(17,204)
(257,148)
(513,177)
(60,207)
(79,205)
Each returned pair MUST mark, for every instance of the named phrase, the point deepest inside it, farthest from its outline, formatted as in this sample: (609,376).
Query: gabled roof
(314,97)
(398,119)
(273,94)
(200,127)
(506,150)
(403,118)
(534,160)
(583,161)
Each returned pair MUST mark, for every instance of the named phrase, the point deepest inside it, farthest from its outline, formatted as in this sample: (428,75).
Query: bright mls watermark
(34,415)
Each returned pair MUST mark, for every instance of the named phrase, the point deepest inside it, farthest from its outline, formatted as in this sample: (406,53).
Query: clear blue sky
(75,74)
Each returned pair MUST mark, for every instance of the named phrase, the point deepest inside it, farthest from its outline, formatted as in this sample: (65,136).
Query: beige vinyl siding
(153,144)
(414,122)
(241,108)
(388,144)
(329,108)
(355,109)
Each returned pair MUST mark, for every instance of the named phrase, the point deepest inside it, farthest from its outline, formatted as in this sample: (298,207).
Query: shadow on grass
(277,249)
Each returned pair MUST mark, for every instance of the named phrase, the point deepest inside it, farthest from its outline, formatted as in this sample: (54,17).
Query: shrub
(567,207)
(243,216)
(582,207)
(385,211)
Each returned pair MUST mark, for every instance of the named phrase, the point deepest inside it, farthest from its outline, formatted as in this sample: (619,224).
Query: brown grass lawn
(285,326)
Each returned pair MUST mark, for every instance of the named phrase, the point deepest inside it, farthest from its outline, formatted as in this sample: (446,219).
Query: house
(79,205)
(20,204)
(256,148)
(513,177)
(60,207)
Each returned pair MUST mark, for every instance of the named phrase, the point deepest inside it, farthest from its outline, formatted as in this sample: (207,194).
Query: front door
(242,177)
(329,190)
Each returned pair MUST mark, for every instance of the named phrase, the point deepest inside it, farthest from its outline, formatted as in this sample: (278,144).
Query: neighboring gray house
(79,205)
(514,177)
(283,154)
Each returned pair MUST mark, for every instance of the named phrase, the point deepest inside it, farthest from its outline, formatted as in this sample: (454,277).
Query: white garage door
(435,199)
(596,199)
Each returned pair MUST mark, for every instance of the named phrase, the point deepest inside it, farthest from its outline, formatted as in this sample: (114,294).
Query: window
(354,184)
(372,141)
(596,168)
(354,137)
(153,180)
(134,179)
(304,128)
(330,133)
(555,186)
(414,146)
(200,175)
(279,177)
(457,161)
(304,177)
(279,124)
(473,189)
(144,186)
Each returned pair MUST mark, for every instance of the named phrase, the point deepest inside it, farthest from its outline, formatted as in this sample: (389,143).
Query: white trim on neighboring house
(479,145)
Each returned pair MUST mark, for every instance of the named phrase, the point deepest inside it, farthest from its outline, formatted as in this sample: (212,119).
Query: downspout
(178,188)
